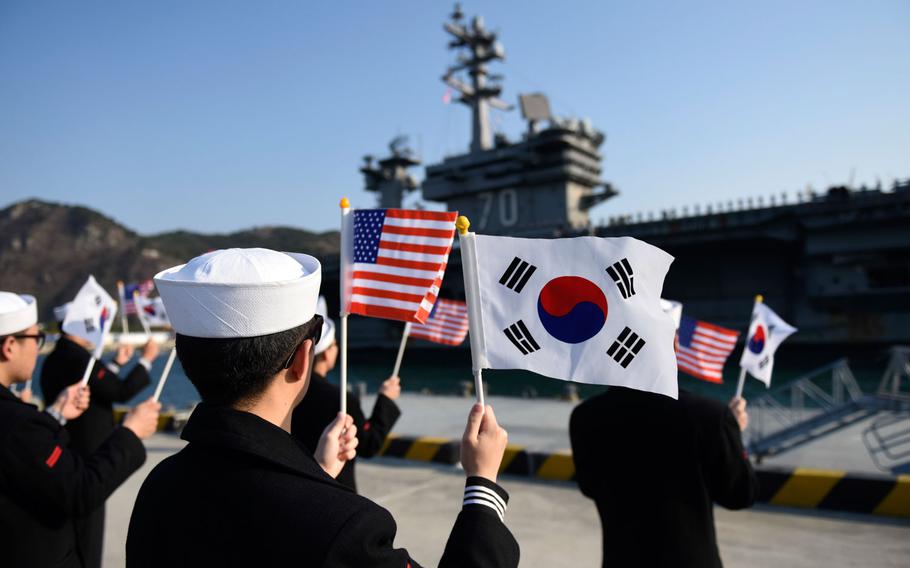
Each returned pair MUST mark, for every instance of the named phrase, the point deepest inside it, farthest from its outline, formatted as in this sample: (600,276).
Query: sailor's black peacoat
(64,366)
(655,467)
(244,492)
(44,485)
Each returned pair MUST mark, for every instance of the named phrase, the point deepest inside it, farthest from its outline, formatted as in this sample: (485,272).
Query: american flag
(448,323)
(702,349)
(143,288)
(396,260)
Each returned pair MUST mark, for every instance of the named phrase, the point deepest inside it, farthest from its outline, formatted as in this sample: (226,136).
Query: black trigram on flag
(517,274)
(521,338)
(621,273)
(626,347)
(89,325)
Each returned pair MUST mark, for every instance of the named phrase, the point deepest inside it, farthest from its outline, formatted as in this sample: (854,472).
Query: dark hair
(228,371)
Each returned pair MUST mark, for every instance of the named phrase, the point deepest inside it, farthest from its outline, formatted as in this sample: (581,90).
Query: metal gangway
(829,399)
(887,439)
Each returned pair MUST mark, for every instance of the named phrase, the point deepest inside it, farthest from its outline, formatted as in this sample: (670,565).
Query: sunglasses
(40,337)
(316,335)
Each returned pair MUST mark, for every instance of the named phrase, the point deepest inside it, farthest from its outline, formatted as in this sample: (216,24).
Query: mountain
(49,249)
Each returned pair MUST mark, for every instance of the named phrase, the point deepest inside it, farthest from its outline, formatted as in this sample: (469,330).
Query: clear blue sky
(221,115)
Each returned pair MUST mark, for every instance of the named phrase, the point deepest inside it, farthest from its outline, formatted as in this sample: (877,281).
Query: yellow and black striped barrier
(168,420)
(835,490)
(800,487)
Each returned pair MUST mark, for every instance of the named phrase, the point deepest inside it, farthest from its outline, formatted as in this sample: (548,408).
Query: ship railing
(826,390)
(887,439)
(745,204)
(895,383)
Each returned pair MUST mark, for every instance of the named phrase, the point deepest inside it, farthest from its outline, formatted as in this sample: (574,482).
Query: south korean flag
(585,309)
(90,315)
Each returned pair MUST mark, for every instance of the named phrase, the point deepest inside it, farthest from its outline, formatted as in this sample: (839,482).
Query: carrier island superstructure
(834,263)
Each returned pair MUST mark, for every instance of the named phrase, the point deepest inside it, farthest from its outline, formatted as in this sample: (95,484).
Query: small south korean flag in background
(584,309)
(91,314)
(767,331)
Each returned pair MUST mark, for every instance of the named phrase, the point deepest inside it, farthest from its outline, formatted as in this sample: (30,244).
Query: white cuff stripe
(478,495)
(485,504)
(487,491)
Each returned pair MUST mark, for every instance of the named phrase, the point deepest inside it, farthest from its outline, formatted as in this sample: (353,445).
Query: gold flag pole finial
(345,204)
(462,224)
(759,298)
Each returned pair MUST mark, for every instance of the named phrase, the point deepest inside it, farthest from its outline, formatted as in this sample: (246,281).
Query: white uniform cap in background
(328,327)
(18,312)
(235,293)
(60,311)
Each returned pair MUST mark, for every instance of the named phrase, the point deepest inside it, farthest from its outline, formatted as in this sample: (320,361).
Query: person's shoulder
(701,409)
(590,410)
(702,404)
(171,468)
(14,411)
(25,422)
(64,354)
(321,387)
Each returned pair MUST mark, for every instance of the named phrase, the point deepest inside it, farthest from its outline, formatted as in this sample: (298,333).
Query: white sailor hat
(18,312)
(60,311)
(234,293)
(328,327)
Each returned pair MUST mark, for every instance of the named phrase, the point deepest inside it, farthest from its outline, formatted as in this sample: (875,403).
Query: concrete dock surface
(557,526)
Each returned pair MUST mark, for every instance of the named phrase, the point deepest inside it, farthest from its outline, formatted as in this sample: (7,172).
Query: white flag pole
(88,371)
(472,293)
(344,364)
(124,323)
(345,299)
(741,383)
(141,316)
(404,341)
(165,373)
(742,372)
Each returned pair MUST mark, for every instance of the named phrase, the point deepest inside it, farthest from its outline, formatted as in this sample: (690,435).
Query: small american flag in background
(448,323)
(702,349)
(397,260)
(144,288)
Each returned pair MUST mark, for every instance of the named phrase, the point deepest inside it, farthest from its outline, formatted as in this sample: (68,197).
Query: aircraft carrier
(835,263)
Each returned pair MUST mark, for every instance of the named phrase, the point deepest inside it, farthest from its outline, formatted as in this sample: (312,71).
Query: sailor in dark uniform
(43,484)
(244,492)
(655,467)
(66,365)
(322,403)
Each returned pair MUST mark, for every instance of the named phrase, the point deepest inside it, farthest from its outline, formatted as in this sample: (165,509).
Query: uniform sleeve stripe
(51,460)
(474,495)
(489,493)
